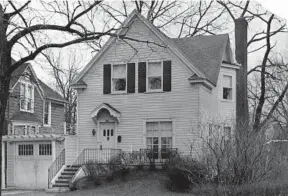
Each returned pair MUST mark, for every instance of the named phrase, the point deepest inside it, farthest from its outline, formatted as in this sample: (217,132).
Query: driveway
(26,193)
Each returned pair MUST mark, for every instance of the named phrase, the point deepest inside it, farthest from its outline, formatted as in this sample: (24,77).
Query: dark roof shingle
(49,92)
(204,52)
(25,116)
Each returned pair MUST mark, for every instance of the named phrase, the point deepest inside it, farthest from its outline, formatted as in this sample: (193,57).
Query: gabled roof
(45,91)
(25,116)
(50,93)
(203,54)
(17,74)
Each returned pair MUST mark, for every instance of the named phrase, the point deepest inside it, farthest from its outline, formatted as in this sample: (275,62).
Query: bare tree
(63,73)
(31,30)
(252,11)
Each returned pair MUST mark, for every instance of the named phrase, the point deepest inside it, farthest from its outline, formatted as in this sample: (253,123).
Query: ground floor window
(25,149)
(45,149)
(159,138)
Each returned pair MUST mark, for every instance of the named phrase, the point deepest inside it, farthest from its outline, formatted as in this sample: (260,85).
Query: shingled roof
(49,92)
(204,52)
(17,73)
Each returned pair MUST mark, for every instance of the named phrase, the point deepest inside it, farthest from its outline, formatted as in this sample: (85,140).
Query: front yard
(142,183)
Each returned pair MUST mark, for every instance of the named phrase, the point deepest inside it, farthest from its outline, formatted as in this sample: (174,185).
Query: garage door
(32,161)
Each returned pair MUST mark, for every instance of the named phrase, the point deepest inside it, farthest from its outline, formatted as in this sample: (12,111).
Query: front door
(107,135)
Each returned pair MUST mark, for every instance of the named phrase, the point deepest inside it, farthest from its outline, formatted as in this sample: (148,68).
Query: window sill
(227,100)
(28,111)
(119,93)
(150,92)
(44,125)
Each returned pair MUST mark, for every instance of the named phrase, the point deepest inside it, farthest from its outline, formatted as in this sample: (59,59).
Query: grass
(152,183)
(140,183)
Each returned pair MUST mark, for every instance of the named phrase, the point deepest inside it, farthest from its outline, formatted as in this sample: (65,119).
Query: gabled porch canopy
(113,112)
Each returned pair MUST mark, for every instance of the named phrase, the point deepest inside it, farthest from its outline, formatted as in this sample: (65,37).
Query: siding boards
(10,163)
(181,104)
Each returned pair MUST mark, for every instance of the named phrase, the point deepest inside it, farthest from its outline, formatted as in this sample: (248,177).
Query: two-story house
(34,129)
(152,91)
(149,91)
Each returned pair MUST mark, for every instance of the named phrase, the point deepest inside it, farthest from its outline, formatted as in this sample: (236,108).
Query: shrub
(184,173)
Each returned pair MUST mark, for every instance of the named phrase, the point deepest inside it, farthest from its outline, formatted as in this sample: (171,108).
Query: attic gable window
(119,75)
(154,76)
(26,97)
(227,87)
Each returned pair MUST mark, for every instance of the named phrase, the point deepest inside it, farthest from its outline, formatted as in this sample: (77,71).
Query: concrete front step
(61,185)
(57,190)
(62,181)
(65,177)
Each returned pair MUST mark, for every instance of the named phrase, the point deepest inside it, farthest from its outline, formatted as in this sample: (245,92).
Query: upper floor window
(227,87)
(26,97)
(154,76)
(119,77)
(47,113)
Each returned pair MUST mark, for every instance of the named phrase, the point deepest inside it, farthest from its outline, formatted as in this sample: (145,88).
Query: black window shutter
(107,79)
(131,77)
(167,76)
(142,77)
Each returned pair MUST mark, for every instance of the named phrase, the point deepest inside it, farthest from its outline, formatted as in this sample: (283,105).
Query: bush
(184,173)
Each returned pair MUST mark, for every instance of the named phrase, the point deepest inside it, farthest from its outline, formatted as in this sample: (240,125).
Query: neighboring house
(34,125)
(154,93)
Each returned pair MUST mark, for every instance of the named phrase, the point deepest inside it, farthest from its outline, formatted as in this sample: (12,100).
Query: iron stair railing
(56,166)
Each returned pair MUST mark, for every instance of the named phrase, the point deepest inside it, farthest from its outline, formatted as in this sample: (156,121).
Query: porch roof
(113,112)
(37,137)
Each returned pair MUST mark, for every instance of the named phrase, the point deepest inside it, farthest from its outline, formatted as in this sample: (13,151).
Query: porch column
(3,166)
(53,150)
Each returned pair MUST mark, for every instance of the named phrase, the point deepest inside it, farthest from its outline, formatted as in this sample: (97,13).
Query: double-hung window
(119,78)
(47,113)
(26,97)
(227,87)
(159,138)
(154,76)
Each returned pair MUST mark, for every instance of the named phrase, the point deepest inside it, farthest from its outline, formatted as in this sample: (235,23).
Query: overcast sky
(278,7)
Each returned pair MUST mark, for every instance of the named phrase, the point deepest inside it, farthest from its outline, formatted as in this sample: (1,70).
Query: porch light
(93,132)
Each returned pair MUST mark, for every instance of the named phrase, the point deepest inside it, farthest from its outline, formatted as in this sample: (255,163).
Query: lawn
(139,183)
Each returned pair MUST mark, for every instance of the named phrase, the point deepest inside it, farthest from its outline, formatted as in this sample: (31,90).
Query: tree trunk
(5,62)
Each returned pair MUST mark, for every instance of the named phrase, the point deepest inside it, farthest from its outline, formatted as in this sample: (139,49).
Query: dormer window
(227,87)
(119,78)
(26,97)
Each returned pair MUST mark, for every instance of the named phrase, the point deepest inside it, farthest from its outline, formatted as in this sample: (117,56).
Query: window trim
(232,87)
(126,78)
(26,127)
(51,149)
(158,121)
(26,84)
(49,114)
(147,81)
(33,150)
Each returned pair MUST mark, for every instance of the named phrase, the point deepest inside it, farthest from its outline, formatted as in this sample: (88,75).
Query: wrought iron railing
(101,156)
(56,166)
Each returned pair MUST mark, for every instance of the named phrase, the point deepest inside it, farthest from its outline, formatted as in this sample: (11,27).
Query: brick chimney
(241,76)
